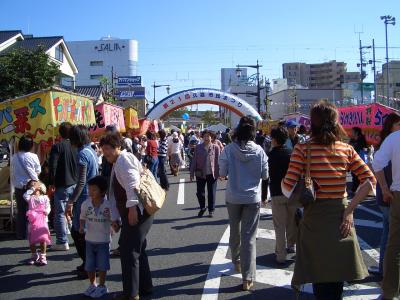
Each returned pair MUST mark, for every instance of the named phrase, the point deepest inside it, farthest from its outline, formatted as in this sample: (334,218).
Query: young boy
(97,215)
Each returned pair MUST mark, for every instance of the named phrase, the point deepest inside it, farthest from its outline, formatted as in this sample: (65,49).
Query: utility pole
(392,21)
(374,67)
(362,74)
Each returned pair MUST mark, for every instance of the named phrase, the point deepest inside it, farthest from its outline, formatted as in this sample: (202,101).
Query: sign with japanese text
(108,114)
(206,96)
(369,118)
(129,80)
(39,114)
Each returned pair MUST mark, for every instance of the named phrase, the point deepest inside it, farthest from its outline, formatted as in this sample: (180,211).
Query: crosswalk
(222,266)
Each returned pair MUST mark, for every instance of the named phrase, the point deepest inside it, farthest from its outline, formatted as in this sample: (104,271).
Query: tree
(25,71)
(176,114)
(108,89)
(209,118)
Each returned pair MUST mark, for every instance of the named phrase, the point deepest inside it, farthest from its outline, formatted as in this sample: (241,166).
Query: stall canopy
(368,117)
(39,113)
(131,118)
(218,127)
(107,114)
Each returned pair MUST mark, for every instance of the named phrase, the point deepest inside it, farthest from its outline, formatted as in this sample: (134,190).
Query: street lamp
(257,67)
(392,21)
(154,86)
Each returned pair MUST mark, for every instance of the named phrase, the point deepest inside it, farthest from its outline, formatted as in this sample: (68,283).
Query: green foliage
(209,118)
(25,71)
(177,114)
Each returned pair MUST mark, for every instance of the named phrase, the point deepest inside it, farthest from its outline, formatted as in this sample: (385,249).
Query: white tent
(219,127)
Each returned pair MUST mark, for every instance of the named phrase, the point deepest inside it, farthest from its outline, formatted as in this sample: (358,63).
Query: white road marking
(371,211)
(368,223)
(275,277)
(181,191)
(373,253)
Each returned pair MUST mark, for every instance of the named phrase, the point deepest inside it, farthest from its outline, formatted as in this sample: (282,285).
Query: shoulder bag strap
(308,175)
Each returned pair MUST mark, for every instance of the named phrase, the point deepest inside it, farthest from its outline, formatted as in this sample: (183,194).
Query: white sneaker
(60,247)
(99,292)
(90,290)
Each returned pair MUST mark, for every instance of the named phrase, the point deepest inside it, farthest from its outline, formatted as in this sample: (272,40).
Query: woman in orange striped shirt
(327,248)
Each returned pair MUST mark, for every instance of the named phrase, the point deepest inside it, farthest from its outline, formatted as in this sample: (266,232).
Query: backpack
(150,193)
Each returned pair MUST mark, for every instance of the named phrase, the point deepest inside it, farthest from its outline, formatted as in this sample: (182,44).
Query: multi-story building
(100,58)
(328,75)
(300,100)
(394,83)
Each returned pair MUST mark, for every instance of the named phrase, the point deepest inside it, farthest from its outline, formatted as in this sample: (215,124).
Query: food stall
(38,114)
(107,114)
(369,117)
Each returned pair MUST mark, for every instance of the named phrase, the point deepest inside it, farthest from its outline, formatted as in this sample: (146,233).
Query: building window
(96,63)
(397,84)
(59,53)
(96,76)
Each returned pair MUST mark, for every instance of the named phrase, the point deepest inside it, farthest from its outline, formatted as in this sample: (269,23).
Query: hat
(292,123)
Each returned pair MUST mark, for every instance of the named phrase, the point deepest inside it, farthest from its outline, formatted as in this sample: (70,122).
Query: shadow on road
(186,249)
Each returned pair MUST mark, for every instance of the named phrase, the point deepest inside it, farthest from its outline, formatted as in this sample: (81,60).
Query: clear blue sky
(185,43)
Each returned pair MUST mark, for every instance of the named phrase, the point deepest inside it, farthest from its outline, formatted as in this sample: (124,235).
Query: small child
(97,215)
(38,229)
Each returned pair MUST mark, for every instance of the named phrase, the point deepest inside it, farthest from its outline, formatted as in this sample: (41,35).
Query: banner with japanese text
(368,117)
(38,114)
(108,114)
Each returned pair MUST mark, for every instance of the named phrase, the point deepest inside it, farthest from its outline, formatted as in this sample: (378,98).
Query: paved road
(189,258)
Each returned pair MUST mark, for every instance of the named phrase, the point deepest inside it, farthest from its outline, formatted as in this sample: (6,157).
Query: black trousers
(210,181)
(264,190)
(136,275)
(80,243)
(162,172)
(328,290)
(21,220)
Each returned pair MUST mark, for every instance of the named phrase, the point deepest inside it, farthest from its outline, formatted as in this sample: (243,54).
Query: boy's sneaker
(90,290)
(60,247)
(42,261)
(34,258)
(100,291)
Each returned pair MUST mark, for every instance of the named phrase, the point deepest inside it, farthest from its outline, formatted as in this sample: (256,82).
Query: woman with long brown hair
(327,248)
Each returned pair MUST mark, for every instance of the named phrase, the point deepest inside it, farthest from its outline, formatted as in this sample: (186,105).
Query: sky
(186,43)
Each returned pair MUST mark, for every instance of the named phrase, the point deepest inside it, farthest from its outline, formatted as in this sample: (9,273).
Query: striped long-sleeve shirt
(329,167)
(163,147)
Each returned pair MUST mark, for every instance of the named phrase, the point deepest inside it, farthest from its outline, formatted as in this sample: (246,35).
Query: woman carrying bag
(136,222)
(327,248)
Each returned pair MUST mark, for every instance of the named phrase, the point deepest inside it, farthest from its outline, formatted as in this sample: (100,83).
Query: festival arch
(202,96)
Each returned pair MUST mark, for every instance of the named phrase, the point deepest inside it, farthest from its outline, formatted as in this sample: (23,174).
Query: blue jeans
(154,166)
(384,236)
(61,196)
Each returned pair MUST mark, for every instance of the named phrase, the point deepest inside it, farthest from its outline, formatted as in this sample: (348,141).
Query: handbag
(304,192)
(150,193)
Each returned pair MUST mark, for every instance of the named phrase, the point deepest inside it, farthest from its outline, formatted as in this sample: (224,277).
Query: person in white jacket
(136,222)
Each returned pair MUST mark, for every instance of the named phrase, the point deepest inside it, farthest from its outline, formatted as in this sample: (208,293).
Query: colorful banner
(369,118)
(108,114)
(131,118)
(40,113)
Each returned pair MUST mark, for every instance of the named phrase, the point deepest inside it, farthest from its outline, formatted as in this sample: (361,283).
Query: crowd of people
(93,187)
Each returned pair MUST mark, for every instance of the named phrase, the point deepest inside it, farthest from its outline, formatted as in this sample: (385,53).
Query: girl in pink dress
(38,229)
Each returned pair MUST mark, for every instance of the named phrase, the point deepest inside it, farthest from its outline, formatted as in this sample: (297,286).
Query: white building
(96,59)
(244,87)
